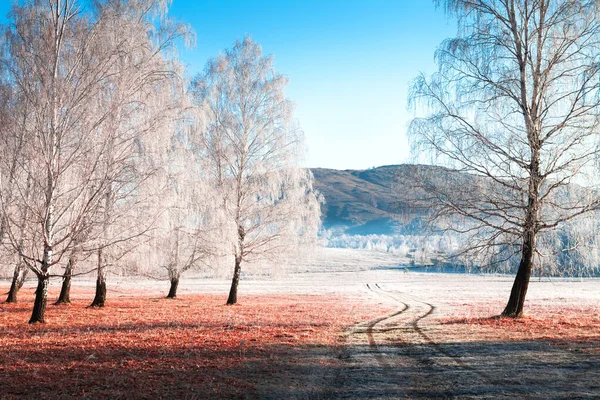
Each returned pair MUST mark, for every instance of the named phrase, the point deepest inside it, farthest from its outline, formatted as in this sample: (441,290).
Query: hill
(372,201)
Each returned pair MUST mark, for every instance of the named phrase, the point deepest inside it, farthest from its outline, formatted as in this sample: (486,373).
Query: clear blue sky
(349,63)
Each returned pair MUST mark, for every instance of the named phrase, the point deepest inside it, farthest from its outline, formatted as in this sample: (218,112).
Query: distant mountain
(371,201)
(383,200)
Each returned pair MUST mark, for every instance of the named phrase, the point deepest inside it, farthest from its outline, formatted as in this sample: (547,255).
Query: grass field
(331,331)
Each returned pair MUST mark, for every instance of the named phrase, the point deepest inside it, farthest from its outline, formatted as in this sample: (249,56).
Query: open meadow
(181,219)
(336,329)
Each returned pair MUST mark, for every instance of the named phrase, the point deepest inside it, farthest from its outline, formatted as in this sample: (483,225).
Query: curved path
(394,356)
(420,347)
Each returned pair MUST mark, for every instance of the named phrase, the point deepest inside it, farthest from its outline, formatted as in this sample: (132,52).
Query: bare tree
(13,128)
(192,225)
(253,148)
(514,104)
(45,45)
(145,97)
(64,62)
(182,203)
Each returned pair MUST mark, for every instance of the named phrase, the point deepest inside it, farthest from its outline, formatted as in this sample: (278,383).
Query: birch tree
(145,97)
(514,105)
(41,44)
(187,233)
(253,147)
(63,62)
(13,129)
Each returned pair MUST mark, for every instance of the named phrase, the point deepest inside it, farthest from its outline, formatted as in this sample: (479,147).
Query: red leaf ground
(141,347)
(559,323)
(195,347)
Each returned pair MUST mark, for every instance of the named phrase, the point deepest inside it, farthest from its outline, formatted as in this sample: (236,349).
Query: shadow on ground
(479,370)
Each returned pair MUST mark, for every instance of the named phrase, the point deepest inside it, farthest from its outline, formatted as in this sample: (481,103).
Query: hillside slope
(368,201)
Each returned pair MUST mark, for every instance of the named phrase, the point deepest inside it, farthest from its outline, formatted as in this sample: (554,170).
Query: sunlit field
(326,332)
(140,346)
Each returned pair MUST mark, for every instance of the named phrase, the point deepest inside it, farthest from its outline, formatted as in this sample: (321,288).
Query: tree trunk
(514,308)
(17,282)
(173,290)
(43,275)
(65,290)
(41,297)
(12,292)
(234,283)
(100,297)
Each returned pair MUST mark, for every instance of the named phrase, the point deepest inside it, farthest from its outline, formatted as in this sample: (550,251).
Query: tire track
(408,326)
(399,359)
(370,330)
(414,326)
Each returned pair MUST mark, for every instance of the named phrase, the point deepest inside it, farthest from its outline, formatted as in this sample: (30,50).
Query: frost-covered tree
(64,61)
(49,62)
(13,129)
(253,148)
(515,105)
(187,229)
(191,225)
(145,98)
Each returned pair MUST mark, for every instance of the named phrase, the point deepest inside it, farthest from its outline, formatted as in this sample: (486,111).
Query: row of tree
(111,156)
